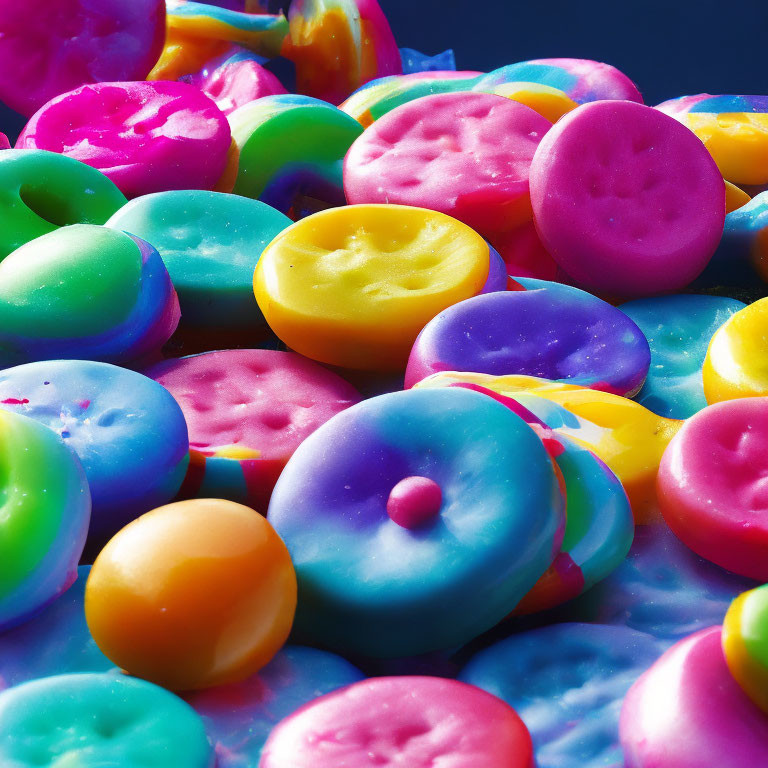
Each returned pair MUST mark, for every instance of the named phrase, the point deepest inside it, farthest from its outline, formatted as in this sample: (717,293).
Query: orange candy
(193,594)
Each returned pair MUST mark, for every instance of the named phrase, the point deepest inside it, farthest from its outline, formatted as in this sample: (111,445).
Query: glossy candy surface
(146,137)
(415,721)
(191,595)
(542,329)
(369,585)
(354,286)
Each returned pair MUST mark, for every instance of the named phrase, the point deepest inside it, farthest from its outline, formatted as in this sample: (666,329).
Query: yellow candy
(735,197)
(549,102)
(736,364)
(353,286)
(629,438)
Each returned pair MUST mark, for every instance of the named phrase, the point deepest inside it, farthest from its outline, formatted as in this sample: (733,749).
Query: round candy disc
(193,594)
(626,199)
(544,329)
(146,137)
(210,243)
(98,719)
(371,585)
(711,485)
(419,722)
(353,286)
(464,154)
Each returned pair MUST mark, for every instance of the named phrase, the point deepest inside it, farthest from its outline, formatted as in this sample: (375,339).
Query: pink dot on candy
(414,501)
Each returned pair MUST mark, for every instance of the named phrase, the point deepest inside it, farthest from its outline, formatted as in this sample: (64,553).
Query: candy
(96,719)
(42,191)
(566,682)
(550,103)
(414,61)
(53,48)
(523,253)
(247,411)
(465,154)
(146,137)
(210,243)
(291,151)
(111,298)
(371,586)
(626,200)
(734,197)
(735,363)
(678,329)
(687,710)
(337,45)
(127,431)
(353,286)
(46,507)
(415,721)
(193,594)
(544,329)
(711,487)
(4,143)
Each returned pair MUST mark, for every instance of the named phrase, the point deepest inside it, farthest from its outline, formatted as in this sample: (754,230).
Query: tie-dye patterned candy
(464,154)
(146,137)
(353,286)
(291,152)
(210,243)
(580,79)
(678,329)
(247,411)
(239,717)
(374,586)
(687,710)
(338,45)
(99,719)
(54,48)
(551,103)
(419,722)
(567,682)
(42,191)
(733,128)
(112,299)
(127,431)
(46,508)
(544,329)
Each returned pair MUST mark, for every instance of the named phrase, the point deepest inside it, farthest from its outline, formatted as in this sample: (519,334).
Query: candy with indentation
(370,585)
(338,45)
(687,711)
(626,200)
(210,243)
(146,137)
(419,722)
(43,519)
(678,329)
(193,594)
(239,717)
(543,329)
(84,291)
(353,286)
(42,191)
(291,152)
(127,431)
(567,682)
(465,154)
(99,719)
(712,486)
(52,48)
(247,411)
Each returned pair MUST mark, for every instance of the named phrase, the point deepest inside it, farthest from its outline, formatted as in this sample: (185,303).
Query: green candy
(41,191)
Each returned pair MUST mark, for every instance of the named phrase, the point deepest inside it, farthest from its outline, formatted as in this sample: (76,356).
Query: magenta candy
(687,711)
(144,136)
(523,253)
(627,200)
(4,143)
(464,154)
(414,501)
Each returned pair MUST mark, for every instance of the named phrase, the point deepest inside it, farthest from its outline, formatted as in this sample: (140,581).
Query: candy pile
(357,411)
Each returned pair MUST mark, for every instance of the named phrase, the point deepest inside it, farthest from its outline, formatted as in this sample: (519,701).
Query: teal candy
(678,329)
(99,721)
(210,243)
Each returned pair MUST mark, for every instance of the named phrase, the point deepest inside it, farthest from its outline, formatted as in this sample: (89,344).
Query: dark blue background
(668,47)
